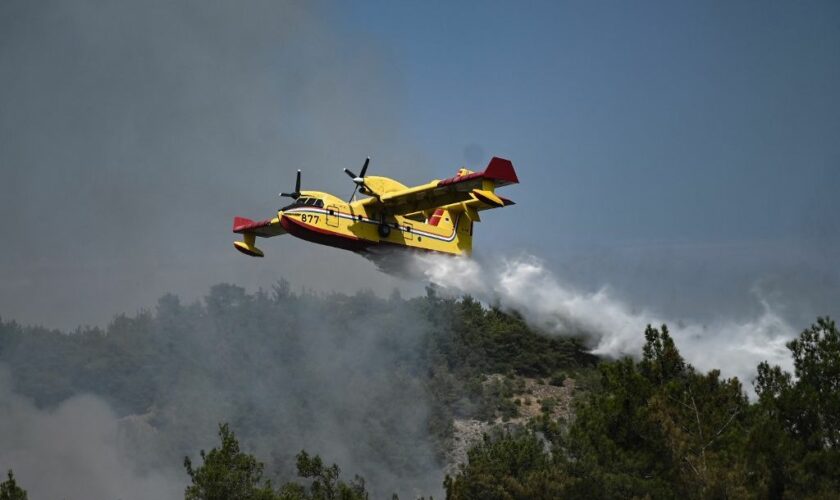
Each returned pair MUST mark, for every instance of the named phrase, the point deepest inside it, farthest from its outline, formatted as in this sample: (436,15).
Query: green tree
(325,483)
(510,466)
(9,490)
(657,428)
(227,473)
(795,444)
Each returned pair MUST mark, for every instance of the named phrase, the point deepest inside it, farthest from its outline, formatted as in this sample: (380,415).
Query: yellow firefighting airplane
(437,216)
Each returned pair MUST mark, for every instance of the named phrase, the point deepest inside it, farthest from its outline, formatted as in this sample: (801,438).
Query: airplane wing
(250,230)
(461,188)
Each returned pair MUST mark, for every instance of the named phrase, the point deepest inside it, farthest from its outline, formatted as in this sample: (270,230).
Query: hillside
(376,385)
(417,394)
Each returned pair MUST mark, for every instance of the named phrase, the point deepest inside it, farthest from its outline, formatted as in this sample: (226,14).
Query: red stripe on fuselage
(338,240)
(322,236)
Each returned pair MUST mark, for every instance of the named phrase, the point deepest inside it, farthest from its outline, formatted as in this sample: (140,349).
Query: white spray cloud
(615,327)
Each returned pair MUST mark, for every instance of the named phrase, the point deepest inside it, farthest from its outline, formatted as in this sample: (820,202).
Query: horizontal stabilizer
(488,198)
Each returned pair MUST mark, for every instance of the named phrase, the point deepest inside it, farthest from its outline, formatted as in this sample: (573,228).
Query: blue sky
(689,121)
(692,147)
(684,153)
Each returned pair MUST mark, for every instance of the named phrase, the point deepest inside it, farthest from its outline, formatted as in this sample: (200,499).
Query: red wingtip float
(437,216)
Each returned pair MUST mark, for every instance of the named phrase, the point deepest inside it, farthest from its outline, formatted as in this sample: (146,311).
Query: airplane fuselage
(331,221)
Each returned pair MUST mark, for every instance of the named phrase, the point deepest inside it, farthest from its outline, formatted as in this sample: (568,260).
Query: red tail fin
(501,171)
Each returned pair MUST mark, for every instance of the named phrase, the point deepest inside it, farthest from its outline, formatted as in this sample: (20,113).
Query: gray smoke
(340,376)
(132,132)
(334,375)
(130,135)
(80,449)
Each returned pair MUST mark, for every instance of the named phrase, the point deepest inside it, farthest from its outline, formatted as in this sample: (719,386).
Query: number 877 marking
(309,218)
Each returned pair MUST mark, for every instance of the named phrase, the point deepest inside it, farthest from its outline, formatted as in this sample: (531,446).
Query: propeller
(359,180)
(296,194)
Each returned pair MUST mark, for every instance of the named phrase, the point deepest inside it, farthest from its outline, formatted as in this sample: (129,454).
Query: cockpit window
(305,201)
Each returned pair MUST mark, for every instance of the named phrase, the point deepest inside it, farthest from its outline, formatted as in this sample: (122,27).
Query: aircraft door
(332,215)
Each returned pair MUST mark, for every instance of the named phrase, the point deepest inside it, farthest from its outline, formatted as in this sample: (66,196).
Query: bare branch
(720,431)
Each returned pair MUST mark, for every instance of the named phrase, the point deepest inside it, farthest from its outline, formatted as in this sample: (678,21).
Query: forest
(272,381)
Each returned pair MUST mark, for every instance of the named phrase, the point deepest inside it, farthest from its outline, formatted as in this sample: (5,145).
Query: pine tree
(9,490)
(227,473)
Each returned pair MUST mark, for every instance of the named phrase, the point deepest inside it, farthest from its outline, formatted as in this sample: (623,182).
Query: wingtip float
(437,216)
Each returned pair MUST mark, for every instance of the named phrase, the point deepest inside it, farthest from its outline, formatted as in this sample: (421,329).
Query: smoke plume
(80,449)
(111,414)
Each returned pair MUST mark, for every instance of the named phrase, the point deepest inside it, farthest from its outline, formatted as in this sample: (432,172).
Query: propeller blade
(296,194)
(359,180)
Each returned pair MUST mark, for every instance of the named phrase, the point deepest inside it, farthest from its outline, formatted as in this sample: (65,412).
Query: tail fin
(501,172)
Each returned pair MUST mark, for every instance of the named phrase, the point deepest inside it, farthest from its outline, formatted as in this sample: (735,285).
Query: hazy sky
(685,154)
